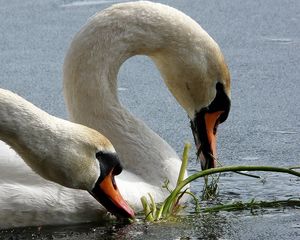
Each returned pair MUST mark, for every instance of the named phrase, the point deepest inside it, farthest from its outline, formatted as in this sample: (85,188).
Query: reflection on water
(191,225)
(238,225)
(211,226)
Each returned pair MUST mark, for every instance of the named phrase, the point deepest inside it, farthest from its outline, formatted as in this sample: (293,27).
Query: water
(260,40)
(229,225)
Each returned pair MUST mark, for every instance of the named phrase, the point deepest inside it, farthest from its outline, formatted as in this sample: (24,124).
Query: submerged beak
(204,128)
(107,193)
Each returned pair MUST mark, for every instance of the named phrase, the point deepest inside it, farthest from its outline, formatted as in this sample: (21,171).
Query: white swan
(192,67)
(69,154)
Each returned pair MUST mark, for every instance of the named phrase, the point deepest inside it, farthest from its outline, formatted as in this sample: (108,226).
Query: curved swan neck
(90,82)
(180,48)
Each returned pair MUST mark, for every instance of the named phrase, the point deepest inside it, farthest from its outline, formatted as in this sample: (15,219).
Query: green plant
(170,206)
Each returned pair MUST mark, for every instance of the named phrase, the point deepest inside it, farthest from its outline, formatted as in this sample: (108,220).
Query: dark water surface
(261,42)
(270,224)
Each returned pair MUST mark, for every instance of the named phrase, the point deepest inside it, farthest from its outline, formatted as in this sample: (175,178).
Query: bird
(60,151)
(194,70)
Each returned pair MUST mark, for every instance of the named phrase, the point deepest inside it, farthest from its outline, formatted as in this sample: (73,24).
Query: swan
(63,152)
(192,67)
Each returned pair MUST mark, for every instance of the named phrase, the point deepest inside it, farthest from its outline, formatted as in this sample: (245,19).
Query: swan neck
(95,56)
(34,135)
(52,147)
(20,122)
(179,47)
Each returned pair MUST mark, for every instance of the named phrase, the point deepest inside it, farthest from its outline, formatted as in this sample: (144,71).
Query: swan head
(105,189)
(196,73)
(77,157)
(204,127)
(94,167)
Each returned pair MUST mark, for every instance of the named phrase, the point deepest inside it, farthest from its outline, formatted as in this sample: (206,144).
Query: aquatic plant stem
(251,205)
(168,202)
(147,210)
(184,163)
(151,211)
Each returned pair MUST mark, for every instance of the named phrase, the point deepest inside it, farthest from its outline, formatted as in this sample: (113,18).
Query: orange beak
(205,135)
(107,193)
(211,123)
(204,126)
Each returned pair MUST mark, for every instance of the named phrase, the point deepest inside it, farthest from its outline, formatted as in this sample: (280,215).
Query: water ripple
(285,132)
(279,40)
(88,3)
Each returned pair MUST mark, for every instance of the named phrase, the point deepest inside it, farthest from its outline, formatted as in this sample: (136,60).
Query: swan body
(191,65)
